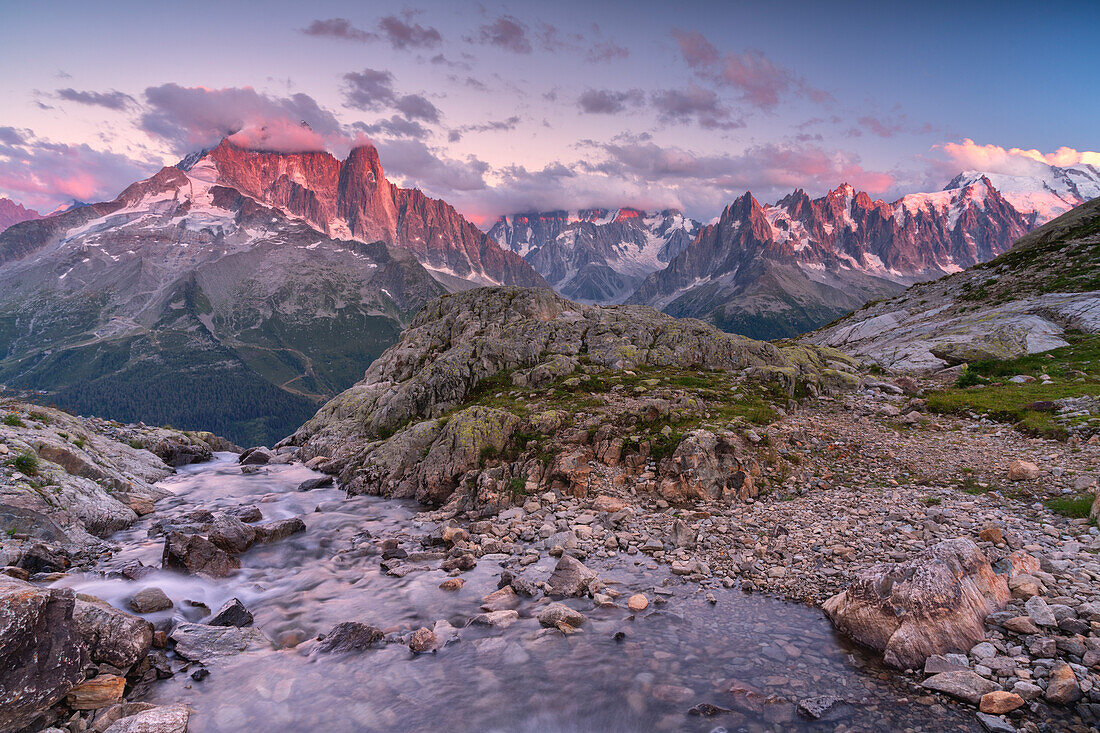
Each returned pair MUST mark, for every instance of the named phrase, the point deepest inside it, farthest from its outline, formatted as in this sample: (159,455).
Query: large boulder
(42,656)
(167,719)
(934,603)
(706,466)
(197,555)
(571,577)
(112,636)
(202,643)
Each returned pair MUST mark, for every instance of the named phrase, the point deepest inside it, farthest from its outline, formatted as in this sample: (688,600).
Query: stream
(621,672)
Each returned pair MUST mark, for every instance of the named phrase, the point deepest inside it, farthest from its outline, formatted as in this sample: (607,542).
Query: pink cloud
(1013,161)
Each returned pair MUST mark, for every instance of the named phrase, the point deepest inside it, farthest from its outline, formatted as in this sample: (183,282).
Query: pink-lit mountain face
(13,213)
(779,270)
(352,199)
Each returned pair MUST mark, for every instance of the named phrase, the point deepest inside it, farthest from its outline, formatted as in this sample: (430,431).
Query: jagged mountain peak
(12,212)
(353,199)
(596,255)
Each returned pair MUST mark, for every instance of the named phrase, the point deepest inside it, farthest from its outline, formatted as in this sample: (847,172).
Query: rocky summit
(485,382)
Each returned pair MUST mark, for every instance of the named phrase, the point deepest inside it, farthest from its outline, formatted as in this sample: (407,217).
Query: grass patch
(26,462)
(931,501)
(13,420)
(1075,507)
(983,387)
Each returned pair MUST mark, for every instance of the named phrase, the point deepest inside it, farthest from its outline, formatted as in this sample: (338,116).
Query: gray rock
(556,615)
(1039,612)
(826,708)
(350,636)
(232,613)
(41,654)
(167,719)
(231,534)
(149,600)
(111,635)
(316,483)
(963,685)
(203,643)
(279,529)
(571,577)
(197,555)
(995,724)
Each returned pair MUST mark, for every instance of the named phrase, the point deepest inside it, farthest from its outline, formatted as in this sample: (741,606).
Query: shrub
(13,420)
(969,378)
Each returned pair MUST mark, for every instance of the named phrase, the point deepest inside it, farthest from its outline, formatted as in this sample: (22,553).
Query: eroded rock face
(932,604)
(41,655)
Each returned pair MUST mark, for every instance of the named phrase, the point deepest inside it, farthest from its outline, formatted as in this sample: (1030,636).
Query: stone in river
(167,719)
(501,619)
(826,708)
(422,640)
(197,555)
(993,724)
(500,599)
(452,584)
(200,642)
(232,613)
(231,534)
(571,577)
(315,483)
(557,615)
(963,685)
(279,529)
(149,600)
(350,636)
(637,602)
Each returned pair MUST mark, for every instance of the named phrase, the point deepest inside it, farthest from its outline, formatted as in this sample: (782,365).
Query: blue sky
(500,107)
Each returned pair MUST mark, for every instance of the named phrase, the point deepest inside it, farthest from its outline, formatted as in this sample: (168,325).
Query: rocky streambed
(352,624)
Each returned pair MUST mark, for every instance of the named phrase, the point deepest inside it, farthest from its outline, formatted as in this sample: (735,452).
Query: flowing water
(622,672)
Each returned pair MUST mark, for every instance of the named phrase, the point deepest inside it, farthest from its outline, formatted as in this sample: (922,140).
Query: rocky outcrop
(41,655)
(401,430)
(932,604)
(1022,302)
(101,477)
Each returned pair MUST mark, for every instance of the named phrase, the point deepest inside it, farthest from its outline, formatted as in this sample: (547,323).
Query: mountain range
(13,213)
(771,271)
(234,292)
(239,289)
(596,255)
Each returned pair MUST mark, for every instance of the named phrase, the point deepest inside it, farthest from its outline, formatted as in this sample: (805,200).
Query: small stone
(422,640)
(963,685)
(316,483)
(991,533)
(1023,471)
(500,619)
(637,602)
(452,584)
(232,613)
(557,615)
(993,724)
(1063,688)
(350,636)
(1039,612)
(999,702)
